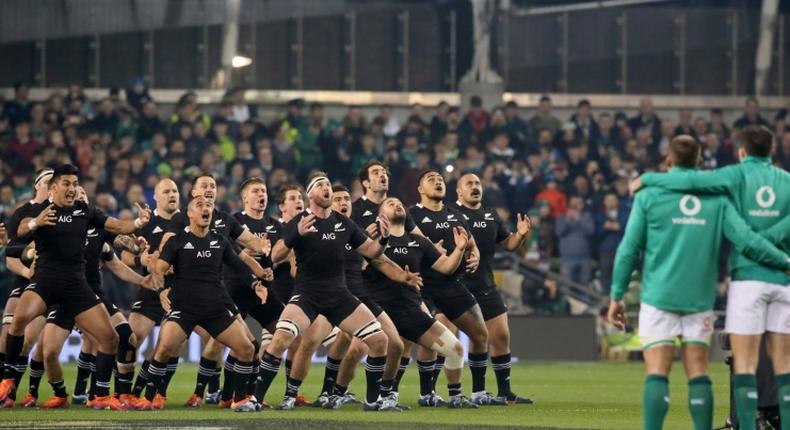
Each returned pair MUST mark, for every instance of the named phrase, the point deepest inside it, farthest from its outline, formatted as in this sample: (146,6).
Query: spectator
(646,119)
(575,230)
(717,123)
(22,146)
(517,128)
(586,127)
(241,111)
(684,124)
(391,126)
(783,151)
(18,109)
(549,300)
(477,119)
(751,115)
(713,155)
(137,94)
(554,197)
(609,229)
(544,119)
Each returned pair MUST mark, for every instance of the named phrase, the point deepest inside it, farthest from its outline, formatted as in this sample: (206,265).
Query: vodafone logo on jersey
(765,198)
(689,206)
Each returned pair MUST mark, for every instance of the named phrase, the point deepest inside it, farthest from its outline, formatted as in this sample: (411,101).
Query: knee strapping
(331,337)
(370,329)
(8,319)
(266,336)
(126,347)
(288,326)
(445,345)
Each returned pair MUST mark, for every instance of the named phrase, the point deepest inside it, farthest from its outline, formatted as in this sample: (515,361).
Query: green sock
(656,401)
(744,390)
(701,402)
(783,396)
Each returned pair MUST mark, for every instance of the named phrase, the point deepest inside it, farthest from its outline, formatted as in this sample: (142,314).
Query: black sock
(2,365)
(454,389)
(213,382)
(241,376)
(477,364)
(269,367)
(330,375)
(404,364)
(19,372)
(172,365)
(104,365)
(92,383)
(386,387)
(36,372)
(142,379)
(256,368)
(115,382)
(205,372)
(374,369)
(228,386)
(501,365)
(292,387)
(157,372)
(425,370)
(59,388)
(84,362)
(288,365)
(123,382)
(339,390)
(437,370)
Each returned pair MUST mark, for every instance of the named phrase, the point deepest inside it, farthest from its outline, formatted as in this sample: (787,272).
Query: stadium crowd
(570,174)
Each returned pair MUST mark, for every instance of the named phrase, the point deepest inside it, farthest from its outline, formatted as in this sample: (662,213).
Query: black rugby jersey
(364,212)
(95,252)
(320,254)
(258,227)
(61,248)
(438,226)
(411,250)
(197,263)
(488,230)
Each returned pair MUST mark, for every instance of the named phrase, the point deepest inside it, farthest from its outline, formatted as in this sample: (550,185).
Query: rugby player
(252,217)
(98,249)
(146,309)
(374,178)
(758,300)
(196,254)
(16,253)
(680,236)
(318,237)
(448,295)
(489,230)
(403,302)
(59,229)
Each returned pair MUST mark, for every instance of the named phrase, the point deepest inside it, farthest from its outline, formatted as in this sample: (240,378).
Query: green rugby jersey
(759,192)
(680,237)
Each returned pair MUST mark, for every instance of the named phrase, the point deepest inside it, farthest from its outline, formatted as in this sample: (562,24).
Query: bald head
(470,190)
(166,196)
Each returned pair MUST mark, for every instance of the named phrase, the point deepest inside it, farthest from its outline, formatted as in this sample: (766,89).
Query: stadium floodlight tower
(481,79)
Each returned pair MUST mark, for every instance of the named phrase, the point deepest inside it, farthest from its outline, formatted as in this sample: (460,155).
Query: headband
(41,177)
(315,182)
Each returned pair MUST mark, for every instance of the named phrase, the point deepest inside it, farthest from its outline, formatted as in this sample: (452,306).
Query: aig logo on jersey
(328,236)
(204,254)
(64,218)
(765,198)
(689,206)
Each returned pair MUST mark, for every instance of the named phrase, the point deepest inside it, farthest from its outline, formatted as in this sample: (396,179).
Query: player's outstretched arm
(633,242)
(126,274)
(447,264)
(749,243)
(391,270)
(114,225)
(521,235)
(719,181)
(280,252)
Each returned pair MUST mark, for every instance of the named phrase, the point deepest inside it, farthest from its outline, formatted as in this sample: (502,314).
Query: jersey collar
(755,159)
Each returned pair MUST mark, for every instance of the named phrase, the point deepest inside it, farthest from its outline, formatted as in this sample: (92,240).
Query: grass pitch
(567,396)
